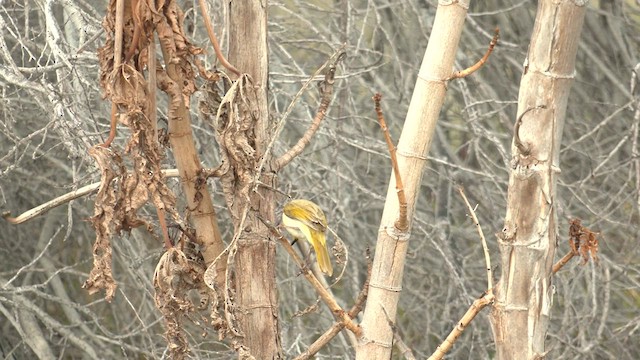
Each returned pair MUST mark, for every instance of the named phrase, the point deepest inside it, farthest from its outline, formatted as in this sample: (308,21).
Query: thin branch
(117,61)
(475,67)
(342,316)
(404,349)
(485,248)
(321,341)
(402,223)
(327,92)
(285,115)
(562,262)
(153,119)
(362,296)
(60,200)
(33,336)
(214,39)
(24,302)
(112,126)
(398,342)
(33,261)
(478,304)
(337,327)
(582,241)
(152,85)
(137,26)
(163,227)
(471,313)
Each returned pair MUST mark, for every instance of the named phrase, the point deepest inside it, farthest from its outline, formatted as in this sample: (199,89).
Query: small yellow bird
(304,219)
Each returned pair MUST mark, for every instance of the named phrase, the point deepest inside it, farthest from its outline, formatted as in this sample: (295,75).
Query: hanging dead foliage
(141,180)
(583,241)
(233,117)
(132,177)
(175,276)
(234,125)
(104,213)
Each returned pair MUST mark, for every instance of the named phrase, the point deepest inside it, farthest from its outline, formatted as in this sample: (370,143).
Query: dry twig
(582,241)
(485,248)
(471,313)
(486,299)
(117,61)
(475,67)
(402,223)
(214,39)
(337,327)
(327,92)
(405,350)
(63,199)
(342,316)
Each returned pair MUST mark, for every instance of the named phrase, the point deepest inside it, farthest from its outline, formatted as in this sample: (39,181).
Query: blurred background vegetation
(51,112)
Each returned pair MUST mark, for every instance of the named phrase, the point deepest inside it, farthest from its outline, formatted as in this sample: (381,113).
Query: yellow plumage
(304,219)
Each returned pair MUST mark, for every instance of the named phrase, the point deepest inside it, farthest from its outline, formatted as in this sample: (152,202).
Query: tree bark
(391,248)
(520,316)
(255,259)
(186,157)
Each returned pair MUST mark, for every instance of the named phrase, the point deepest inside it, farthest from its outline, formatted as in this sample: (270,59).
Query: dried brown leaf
(583,241)
(103,220)
(174,277)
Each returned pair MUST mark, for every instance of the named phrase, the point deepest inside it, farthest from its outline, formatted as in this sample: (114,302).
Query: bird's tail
(322,253)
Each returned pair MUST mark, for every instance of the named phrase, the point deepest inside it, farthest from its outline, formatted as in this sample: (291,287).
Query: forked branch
(471,313)
(325,101)
(343,317)
(337,327)
(486,299)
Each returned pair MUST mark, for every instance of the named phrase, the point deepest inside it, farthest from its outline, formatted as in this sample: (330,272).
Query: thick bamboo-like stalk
(198,200)
(391,248)
(520,315)
(255,265)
